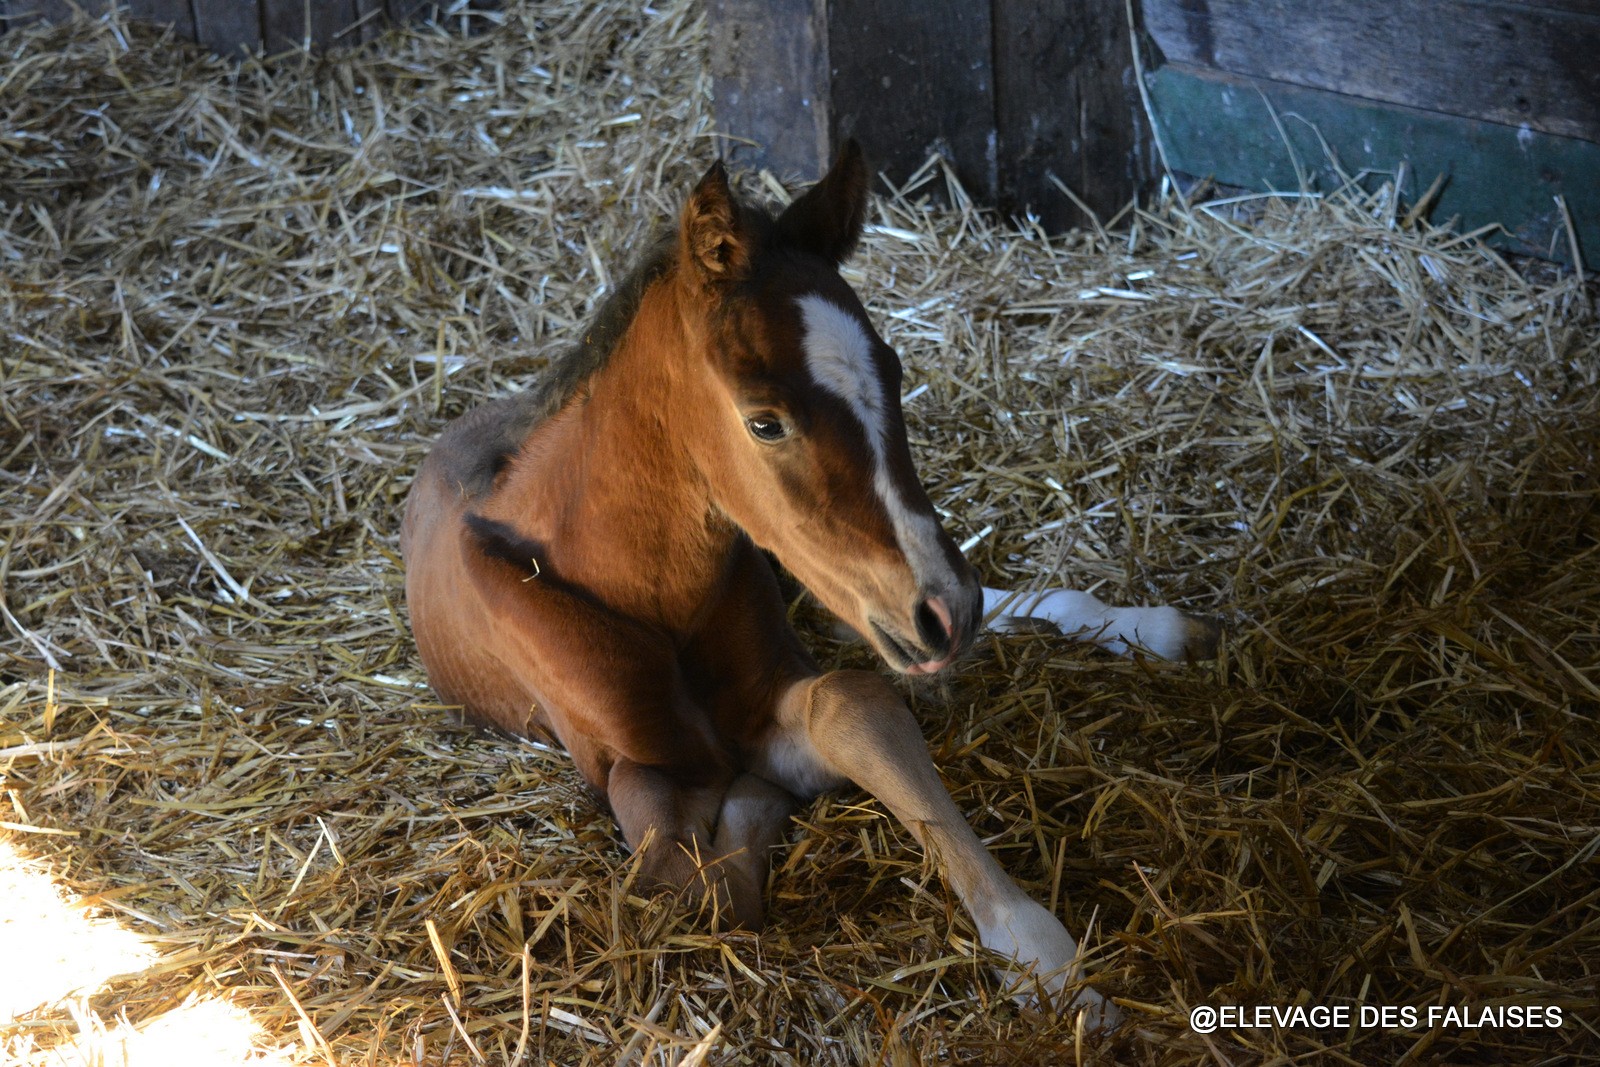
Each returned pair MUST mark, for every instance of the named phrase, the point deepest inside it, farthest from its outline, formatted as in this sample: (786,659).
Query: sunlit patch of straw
(202,1032)
(53,948)
(58,956)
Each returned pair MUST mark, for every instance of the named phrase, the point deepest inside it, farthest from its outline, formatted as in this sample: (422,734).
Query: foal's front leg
(860,728)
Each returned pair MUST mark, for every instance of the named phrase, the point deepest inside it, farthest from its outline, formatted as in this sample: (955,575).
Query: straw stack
(236,305)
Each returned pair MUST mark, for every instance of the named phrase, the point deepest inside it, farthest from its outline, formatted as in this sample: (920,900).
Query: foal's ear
(827,220)
(715,244)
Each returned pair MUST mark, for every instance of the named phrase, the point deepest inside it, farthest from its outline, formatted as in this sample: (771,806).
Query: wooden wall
(1500,99)
(1534,63)
(234,26)
(1012,93)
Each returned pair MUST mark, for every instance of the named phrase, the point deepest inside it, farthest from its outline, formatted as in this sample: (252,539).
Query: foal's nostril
(933,625)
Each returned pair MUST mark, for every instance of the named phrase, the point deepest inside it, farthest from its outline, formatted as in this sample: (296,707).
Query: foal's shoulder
(477,446)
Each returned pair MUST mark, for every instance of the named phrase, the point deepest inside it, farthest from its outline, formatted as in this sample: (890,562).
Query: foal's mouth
(909,657)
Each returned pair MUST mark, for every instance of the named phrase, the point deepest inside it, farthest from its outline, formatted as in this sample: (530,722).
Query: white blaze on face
(839,356)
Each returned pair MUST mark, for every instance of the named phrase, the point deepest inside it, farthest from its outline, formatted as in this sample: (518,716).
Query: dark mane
(486,439)
(567,372)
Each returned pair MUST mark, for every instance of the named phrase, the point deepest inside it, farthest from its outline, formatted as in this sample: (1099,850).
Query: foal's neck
(640,513)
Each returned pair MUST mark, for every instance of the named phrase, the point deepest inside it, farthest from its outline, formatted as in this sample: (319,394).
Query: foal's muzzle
(934,626)
(938,636)
(939,627)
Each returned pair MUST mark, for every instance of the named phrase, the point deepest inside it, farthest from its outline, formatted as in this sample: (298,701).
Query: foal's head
(802,441)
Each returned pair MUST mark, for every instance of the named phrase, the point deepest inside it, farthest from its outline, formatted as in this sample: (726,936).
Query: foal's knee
(845,701)
(860,728)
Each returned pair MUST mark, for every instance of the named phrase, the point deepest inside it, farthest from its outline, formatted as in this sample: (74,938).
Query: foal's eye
(766,428)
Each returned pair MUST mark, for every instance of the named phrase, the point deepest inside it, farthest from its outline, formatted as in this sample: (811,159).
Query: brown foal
(584,562)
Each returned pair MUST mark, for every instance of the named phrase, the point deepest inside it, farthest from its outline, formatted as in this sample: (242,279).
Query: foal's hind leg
(1165,631)
(711,841)
(857,725)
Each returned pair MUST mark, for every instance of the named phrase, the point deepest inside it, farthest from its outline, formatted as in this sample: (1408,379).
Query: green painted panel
(1223,127)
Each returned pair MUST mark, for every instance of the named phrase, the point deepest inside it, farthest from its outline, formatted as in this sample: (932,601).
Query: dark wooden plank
(912,79)
(289,25)
(1067,105)
(403,11)
(1517,64)
(175,13)
(769,76)
(333,24)
(283,27)
(372,17)
(17,13)
(228,27)
(1218,125)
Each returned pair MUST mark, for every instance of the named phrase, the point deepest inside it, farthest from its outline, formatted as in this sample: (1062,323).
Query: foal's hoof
(726,902)
(1054,995)
(1201,636)
(1099,1014)
(1043,963)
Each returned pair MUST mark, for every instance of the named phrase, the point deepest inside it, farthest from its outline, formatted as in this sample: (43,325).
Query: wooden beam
(1259,135)
(769,77)
(1064,108)
(1013,93)
(1516,64)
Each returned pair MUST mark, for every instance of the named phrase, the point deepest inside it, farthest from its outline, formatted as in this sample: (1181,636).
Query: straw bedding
(237,304)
